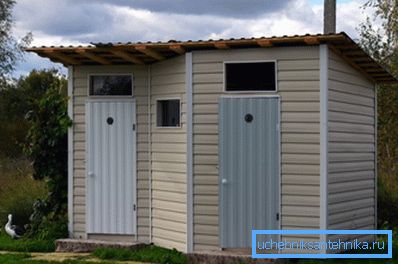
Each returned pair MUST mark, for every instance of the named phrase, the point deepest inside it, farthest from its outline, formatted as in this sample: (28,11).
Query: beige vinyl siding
(79,175)
(298,86)
(351,170)
(168,160)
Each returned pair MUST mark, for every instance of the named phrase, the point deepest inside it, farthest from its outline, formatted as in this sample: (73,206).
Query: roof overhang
(150,52)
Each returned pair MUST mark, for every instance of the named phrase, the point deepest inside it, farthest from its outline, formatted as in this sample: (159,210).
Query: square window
(168,113)
(119,85)
(250,76)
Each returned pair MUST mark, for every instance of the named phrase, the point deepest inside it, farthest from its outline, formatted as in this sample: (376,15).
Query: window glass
(168,113)
(110,85)
(254,76)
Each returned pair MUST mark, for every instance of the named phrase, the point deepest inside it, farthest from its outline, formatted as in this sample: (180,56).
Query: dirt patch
(62,256)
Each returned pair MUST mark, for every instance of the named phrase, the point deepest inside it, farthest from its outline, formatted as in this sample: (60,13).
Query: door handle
(90,174)
(224,181)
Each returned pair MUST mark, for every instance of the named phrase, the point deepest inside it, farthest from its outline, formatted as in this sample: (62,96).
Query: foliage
(25,245)
(47,148)
(18,191)
(16,99)
(382,44)
(151,254)
(10,48)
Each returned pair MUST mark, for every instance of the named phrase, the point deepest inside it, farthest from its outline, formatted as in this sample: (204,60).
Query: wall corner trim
(70,152)
(324,90)
(188,83)
(375,161)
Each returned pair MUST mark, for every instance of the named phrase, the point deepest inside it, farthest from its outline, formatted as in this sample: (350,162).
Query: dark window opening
(253,76)
(111,85)
(168,113)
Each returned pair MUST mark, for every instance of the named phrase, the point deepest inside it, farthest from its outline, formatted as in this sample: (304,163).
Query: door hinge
(277,216)
(133,127)
(134,207)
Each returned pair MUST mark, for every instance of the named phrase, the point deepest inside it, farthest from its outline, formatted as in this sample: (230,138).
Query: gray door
(249,168)
(111,169)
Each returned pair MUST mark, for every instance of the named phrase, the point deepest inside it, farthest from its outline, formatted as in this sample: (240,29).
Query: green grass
(394,260)
(24,245)
(151,254)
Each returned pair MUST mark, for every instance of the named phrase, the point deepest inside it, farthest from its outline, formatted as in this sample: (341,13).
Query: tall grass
(18,190)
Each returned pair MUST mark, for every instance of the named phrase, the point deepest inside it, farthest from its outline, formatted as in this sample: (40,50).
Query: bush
(18,191)
(46,145)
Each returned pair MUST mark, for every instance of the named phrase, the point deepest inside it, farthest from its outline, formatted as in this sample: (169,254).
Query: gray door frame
(279,161)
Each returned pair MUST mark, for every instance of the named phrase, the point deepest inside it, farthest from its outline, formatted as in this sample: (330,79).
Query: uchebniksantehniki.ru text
(320,245)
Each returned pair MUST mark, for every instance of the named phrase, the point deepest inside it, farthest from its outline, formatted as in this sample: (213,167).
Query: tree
(382,44)
(16,99)
(10,47)
(47,147)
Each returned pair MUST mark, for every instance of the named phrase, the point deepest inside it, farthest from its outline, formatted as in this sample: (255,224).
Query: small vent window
(253,76)
(116,85)
(168,113)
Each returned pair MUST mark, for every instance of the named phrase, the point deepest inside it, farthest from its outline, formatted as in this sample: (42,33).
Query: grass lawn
(24,245)
(152,254)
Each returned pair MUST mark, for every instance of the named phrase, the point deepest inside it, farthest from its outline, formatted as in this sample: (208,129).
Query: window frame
(156,112)
(109,96)
(249,91)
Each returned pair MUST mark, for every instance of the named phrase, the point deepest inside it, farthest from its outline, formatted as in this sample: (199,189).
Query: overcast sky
(72,22)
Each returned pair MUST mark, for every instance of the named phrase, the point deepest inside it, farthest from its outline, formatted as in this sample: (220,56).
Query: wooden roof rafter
(311,40)
(150,52)
(57,55)
(126,56)
(221,45)
(264,43)
(350,62)
(93,56)
(179,49)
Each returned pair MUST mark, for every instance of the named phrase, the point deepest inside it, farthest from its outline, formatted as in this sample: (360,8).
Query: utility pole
(329,17)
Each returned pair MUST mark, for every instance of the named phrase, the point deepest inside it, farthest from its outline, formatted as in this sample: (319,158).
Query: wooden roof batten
(150,52)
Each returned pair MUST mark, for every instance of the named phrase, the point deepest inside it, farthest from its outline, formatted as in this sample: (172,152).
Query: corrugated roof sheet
(150,52)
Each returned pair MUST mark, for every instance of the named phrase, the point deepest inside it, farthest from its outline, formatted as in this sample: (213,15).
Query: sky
(75,22)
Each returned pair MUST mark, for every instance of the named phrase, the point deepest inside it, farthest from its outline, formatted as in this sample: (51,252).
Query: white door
(111,166)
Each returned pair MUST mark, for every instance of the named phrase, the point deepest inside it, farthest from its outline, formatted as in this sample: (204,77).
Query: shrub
(47,148)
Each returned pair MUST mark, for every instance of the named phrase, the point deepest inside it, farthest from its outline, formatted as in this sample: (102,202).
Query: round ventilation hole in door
(109,120)
(248,118)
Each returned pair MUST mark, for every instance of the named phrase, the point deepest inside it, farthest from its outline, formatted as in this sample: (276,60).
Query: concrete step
(89,245)
(227,257)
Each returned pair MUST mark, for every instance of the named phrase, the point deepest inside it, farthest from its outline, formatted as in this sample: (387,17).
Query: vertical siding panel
(168,144)
(351,180)
(118,183)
